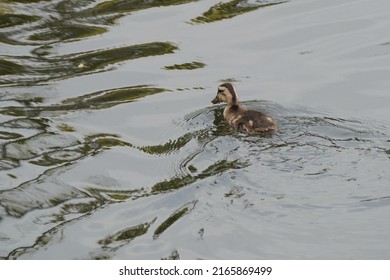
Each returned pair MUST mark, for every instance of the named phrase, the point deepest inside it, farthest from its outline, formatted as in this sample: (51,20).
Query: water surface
(111,149)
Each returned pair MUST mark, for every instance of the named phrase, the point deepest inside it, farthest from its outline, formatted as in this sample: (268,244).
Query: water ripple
(107,144)
(39,70)
(231,9)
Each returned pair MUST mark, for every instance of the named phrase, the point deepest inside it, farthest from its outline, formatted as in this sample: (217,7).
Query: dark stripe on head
(230,87)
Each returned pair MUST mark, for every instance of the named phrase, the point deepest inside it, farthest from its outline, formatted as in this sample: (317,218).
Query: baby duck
(239,117)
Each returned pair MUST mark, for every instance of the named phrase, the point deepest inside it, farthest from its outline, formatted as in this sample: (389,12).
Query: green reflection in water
(10,68)
(6,164)
(66,128)
(230,9)
(112,195)
(173,256)
(182,181)
(28,148)
(192,168)
(67,32)
(93,101)
(3,9)
(168,147)
(78,208)
(58,157)
(230,80)
(127,234)
(5,135)
(98,59)
(173,218)
(103,13)
(168,222)
(28,123)
(186,66)
(30,101)
(8,20)
(108,98)
(126,6)
(34,71)
(69,20)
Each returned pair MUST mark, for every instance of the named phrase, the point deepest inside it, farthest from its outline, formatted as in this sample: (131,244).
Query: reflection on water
(89,170)
(186,66)
(123,6)
(231,9)
(318,149)
(93,101)
(33,71)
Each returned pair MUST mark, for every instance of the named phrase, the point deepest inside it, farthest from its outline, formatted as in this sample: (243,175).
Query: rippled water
(110,148)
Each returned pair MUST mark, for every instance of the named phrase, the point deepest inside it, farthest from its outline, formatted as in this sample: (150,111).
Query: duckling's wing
(254,121)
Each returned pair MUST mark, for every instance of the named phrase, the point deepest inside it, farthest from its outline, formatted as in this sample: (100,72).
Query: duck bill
(215,100)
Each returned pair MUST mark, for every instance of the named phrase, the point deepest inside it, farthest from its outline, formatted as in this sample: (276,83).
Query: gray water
(111,149)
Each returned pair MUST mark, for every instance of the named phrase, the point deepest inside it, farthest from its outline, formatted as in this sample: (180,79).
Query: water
(111,149)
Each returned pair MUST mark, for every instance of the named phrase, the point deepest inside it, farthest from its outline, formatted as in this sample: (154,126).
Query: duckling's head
(226,93)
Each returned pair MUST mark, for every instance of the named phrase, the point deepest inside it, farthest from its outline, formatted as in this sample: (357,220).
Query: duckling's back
(256,122)
(249,121)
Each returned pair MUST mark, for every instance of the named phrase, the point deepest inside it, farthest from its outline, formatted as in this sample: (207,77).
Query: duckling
(239,117)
